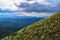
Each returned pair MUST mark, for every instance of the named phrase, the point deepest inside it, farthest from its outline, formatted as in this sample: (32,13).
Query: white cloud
(42,14)
(10,4)
(18,1)
(32,1)
(43,2)
(7,4)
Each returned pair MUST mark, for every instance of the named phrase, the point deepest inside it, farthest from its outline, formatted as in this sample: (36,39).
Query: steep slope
(47,29)
(12,24)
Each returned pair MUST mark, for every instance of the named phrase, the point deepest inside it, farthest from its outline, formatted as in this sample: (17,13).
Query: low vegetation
(46,29)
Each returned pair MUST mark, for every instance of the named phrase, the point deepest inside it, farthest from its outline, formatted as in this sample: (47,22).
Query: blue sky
(29,7)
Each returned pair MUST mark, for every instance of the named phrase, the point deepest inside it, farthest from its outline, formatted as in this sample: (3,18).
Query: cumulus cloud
(30,7)
(7,4)
(36,7)
(10,4)
(39,6)
(35,14)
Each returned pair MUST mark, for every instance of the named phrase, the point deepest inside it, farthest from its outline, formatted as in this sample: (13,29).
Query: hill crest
(46,29)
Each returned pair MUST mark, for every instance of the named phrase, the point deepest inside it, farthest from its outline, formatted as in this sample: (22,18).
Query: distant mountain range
(17,21)
(9,24)
(46,29)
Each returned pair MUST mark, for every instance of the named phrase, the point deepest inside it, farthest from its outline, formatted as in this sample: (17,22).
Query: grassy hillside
(47,29)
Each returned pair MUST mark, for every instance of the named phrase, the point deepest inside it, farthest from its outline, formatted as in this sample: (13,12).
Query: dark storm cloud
(37,7)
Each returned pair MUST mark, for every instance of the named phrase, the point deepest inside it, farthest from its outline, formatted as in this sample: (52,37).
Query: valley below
(15,23)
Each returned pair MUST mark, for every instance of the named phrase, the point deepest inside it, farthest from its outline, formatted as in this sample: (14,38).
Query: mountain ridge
(46,29)
(9,25)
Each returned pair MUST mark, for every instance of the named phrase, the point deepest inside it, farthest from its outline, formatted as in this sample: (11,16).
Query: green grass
(46,29)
